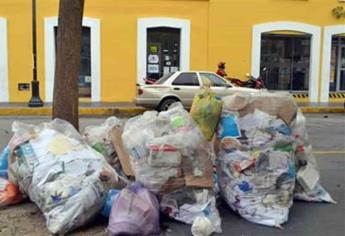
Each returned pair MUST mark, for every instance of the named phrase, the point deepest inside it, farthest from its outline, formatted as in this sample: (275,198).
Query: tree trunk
(67,66)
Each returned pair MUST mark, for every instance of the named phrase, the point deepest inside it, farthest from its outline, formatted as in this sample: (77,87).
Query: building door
(337,80)
(287,58)
(85,64)
(163,51)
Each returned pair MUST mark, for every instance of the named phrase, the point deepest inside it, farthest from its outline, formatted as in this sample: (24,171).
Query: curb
(123,111)
(322,109)
(84,111)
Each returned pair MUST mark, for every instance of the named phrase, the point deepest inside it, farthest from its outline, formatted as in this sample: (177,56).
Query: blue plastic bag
(4,162)
(229,126)
(112,194)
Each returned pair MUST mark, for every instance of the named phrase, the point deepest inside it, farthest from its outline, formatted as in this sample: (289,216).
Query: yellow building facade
(301,42)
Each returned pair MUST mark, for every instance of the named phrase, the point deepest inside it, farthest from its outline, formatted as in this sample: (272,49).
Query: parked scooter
(252,82)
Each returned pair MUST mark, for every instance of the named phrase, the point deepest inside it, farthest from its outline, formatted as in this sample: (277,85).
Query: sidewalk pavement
(130,109)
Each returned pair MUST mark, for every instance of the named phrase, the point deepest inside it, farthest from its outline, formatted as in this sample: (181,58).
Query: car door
(219,85)
(185,86)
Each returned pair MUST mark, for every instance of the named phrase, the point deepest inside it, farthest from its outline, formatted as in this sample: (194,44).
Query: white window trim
(144,24)
(314,31)
(4,94)
(328,33)
(94,24)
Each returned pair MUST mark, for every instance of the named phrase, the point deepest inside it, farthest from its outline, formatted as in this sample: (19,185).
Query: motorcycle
(252,82)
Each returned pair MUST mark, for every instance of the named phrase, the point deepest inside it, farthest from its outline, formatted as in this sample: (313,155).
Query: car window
(187,79)
(164,78)
(215,80)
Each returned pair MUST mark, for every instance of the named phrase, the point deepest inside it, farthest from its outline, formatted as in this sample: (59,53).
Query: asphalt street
(326,134)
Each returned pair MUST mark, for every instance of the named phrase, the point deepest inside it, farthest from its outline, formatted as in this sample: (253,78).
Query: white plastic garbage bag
(60,173)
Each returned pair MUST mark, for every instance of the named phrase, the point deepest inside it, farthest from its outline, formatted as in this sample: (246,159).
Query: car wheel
(165,104)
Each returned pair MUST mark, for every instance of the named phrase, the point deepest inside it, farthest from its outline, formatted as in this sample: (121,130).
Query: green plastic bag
(206,110)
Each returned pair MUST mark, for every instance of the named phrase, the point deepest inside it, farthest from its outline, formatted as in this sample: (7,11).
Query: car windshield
(164,78)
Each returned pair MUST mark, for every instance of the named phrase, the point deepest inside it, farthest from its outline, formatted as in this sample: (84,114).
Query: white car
(182,86)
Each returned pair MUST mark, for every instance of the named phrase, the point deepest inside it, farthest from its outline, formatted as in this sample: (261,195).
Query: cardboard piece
(275,104)
(288,112)
(172,185)
(116,139)
(204,181)
(236,102)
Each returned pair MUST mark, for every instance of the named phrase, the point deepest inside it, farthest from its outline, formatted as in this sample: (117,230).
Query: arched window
(292,58)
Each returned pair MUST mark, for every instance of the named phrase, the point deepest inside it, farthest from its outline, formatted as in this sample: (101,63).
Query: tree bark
(67,66)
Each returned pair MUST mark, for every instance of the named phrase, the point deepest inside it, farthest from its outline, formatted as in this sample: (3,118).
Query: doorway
(163,51)
(287,59)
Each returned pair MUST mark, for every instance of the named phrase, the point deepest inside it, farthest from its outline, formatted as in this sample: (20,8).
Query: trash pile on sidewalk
(252,149)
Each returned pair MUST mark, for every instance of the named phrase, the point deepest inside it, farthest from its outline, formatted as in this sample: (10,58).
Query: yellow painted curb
(47,111)
(322,109)
(330,152)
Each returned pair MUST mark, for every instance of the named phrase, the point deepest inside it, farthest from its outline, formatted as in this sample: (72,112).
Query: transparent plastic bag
(168,145)
(257,171)
(258,186)
(60,173)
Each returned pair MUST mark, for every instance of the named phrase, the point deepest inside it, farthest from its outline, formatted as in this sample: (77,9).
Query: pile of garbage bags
(251,149)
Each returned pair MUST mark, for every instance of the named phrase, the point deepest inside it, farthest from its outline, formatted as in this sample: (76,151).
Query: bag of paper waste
(206,109)
(167,150)
(98,137)
(189,205)
(257,162)
(9,193)
(135,211)
(59,172)
(308,187)
(254,110)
